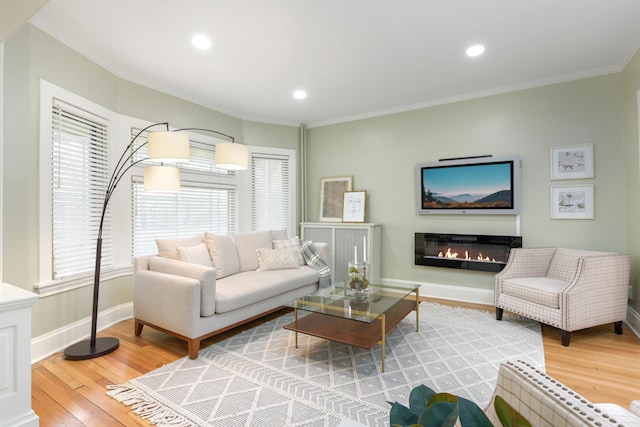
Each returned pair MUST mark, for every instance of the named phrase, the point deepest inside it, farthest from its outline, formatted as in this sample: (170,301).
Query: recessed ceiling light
(299,94)
(475,50)
(201,41)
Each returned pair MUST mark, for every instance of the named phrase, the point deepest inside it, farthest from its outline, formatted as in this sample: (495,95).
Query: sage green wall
(631,93)
(382,153)
(31,55)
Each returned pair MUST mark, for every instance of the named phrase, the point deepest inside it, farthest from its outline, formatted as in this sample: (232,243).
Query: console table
(15,357)
(342,237)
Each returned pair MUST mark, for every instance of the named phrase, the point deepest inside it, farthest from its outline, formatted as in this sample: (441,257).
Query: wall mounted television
(472,185)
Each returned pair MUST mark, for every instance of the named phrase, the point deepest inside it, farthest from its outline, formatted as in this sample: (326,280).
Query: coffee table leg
(295,316)
(417,308)
(384,322)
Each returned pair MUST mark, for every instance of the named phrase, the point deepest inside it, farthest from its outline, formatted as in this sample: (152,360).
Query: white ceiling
(355,58)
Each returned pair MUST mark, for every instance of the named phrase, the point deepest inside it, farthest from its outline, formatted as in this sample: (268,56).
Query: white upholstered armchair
(566,288)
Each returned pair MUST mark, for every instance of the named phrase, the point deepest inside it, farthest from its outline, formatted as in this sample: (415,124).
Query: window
(207,201)
(270,192)
(80,174)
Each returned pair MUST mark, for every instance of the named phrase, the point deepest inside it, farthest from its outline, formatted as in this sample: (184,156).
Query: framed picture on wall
(572,202)
(572,162)
(332,191)
(353,207)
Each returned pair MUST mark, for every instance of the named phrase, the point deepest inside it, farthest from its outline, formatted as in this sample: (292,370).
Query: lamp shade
(161,178)
(232,156)
(168,146)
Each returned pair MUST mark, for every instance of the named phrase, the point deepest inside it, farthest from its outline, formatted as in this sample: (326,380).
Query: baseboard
(633,321)
(52,342)
(449,292)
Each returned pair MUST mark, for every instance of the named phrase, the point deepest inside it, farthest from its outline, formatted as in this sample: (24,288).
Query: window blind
(80,174)
(270,192)
(207,201)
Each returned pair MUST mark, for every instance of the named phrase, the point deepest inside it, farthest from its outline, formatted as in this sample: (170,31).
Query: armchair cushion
(541,290)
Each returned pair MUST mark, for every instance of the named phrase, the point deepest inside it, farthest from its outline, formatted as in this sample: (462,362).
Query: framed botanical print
(572,202)
(572,162)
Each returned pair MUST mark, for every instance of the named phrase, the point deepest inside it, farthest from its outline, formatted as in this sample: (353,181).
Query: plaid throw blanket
(314,261)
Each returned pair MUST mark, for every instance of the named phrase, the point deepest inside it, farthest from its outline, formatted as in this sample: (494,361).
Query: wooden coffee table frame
(353,332)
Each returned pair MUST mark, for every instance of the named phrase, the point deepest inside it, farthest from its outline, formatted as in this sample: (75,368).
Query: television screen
(475,185)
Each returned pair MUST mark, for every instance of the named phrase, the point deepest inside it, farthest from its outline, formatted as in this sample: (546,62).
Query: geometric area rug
(259,378)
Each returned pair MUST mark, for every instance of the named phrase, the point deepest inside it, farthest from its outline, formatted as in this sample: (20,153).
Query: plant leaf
(508,416)
(419,397)
(400,415)
(471,415)
(440,414)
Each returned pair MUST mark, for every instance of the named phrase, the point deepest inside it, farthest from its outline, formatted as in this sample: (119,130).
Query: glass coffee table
(359,318)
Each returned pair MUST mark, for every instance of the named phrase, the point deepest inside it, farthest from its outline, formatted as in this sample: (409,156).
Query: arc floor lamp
(163,147)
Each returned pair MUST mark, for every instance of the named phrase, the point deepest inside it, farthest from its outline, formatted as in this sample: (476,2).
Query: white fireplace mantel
(15,357)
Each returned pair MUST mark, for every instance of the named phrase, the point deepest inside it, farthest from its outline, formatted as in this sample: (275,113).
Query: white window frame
(46,284)
(245,183)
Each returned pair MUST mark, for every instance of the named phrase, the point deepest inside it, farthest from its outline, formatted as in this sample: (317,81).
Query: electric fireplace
(464,251)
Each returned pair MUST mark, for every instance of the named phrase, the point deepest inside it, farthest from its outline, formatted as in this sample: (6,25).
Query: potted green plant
(430,409)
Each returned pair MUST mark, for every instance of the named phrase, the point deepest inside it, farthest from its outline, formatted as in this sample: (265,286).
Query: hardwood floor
(600,365)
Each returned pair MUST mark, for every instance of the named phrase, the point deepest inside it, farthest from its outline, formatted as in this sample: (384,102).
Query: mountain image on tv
(499,199)
(478,186)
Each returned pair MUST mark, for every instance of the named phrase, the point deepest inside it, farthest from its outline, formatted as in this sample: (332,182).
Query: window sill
(54,287)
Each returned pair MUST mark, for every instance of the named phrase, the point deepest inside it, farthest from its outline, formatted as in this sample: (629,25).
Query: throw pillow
(279,235)
(276,259)
(167,248)
(293,244)
(248,245)
(195,254)
(223,254)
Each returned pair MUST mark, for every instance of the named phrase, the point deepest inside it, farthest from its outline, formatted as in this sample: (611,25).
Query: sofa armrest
(324,250)
(542,400)
(206,276)
(594,275)
(166,300)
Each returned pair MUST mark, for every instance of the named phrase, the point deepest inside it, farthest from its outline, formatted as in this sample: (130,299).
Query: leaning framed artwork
(572,202)
(332,191)
(572,162)
(353,207)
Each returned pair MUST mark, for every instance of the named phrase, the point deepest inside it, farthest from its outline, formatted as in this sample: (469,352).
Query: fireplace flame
(454,255)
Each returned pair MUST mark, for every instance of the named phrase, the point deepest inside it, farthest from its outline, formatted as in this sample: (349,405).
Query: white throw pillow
(222,251)
(168,248)
(293,244)
(248,245)
(195,254)
(276,259)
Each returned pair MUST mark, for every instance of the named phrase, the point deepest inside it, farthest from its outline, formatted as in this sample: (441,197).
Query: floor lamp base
(83,350)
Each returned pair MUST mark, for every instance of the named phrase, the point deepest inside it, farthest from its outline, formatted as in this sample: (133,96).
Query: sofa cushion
(250,287)
(279,235)
(540,290)
(198,254)
(168,248)
(247,246)
(276,259)
(222,251)
(293,244)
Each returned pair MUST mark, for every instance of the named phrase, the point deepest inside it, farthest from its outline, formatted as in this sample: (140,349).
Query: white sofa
(196,288)
(545,402)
